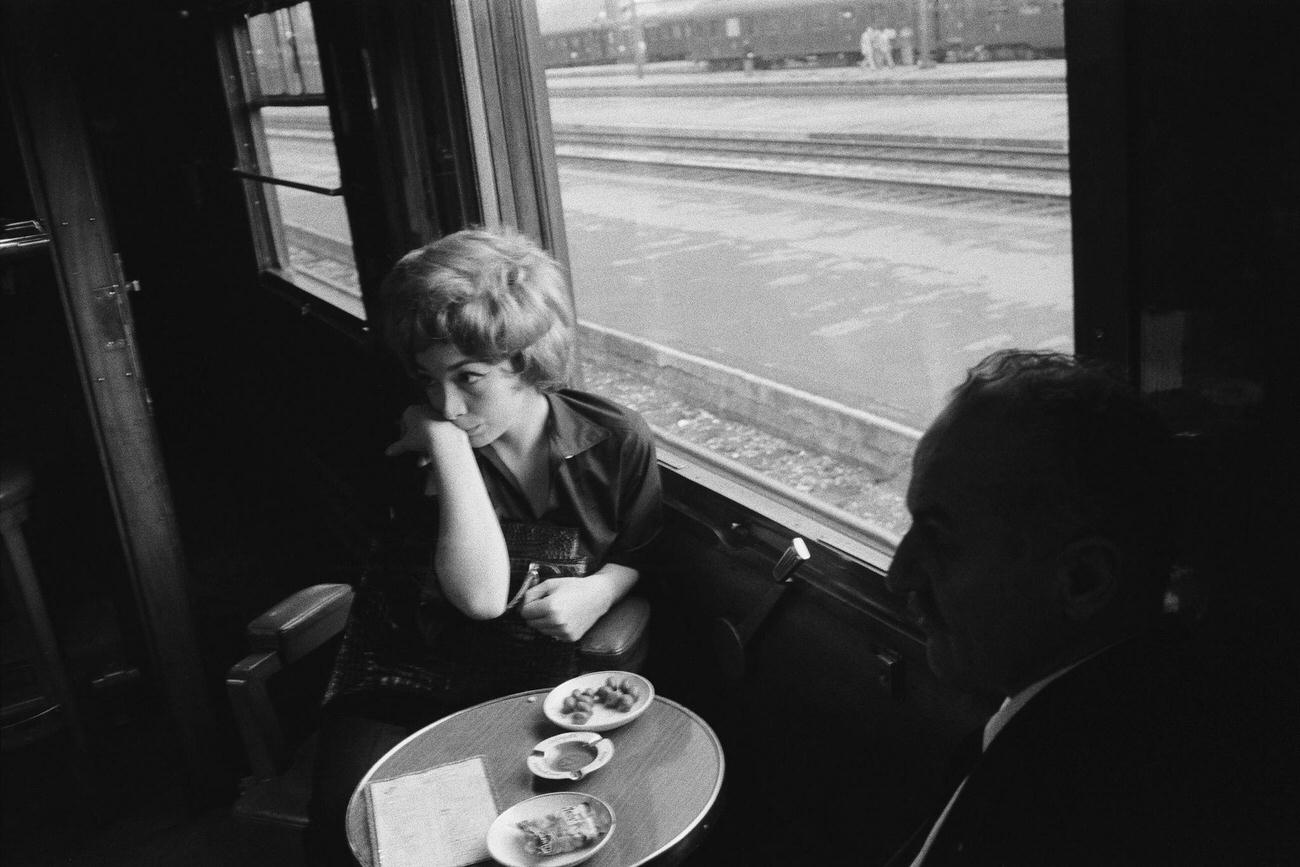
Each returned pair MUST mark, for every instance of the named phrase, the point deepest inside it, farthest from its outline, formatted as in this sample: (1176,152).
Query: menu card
(433,818)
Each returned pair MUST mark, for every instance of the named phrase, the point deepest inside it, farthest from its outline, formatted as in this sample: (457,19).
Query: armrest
(618,639)
(303,622)
(282,635)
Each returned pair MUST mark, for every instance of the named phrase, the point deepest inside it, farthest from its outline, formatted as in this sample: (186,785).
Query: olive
(568,705)
(625,702)
(603,694)
(581,717)
(611,682)
(628,685)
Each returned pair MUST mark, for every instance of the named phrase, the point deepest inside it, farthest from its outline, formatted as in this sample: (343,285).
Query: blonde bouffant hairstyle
(494,294)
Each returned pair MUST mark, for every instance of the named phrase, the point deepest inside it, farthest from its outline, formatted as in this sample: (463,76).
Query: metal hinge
(113,312)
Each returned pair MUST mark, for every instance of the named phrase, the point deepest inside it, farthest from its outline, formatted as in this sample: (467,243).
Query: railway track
(982,167)
(997,167)
(848,87)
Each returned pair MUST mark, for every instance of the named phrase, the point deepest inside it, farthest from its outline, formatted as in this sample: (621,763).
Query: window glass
(298,188)
(789,284)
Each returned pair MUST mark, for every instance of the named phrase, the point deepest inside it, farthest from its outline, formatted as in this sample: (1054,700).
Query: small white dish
(602,718)
(505,840)
(570,756)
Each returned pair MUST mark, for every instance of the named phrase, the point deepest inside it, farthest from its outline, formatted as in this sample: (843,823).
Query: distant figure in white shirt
(906,46)
(868,46)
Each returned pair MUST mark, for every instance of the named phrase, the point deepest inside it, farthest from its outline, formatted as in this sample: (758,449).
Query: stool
(16,485)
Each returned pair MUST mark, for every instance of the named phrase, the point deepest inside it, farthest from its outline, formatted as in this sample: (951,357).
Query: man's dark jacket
(1117,762)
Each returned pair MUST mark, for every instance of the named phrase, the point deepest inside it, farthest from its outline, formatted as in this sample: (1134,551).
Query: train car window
(287,155)
(788,283)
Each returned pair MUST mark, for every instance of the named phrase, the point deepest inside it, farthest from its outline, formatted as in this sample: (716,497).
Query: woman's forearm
(471,561)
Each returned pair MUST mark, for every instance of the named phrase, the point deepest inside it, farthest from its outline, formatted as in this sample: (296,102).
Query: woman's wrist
(618,580)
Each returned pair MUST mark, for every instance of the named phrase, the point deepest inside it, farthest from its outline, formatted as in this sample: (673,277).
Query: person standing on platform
(868,46)
(906,46)
(885,42)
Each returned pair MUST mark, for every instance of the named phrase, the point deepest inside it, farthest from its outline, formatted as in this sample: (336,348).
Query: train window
(789,287)
(287,156)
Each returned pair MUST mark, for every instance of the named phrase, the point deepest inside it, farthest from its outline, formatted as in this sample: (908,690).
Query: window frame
(243,100)
(400,131)
(502,54)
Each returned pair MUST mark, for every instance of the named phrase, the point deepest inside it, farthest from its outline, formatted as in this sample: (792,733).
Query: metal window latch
(730,639)
(795,555)
(890,672)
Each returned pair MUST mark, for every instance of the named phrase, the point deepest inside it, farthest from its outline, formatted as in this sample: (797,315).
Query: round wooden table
(663,782)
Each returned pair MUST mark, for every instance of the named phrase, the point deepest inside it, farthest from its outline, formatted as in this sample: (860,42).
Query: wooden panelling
(40,68)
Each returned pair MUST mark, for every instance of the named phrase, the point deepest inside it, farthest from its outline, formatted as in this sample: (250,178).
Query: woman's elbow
(483,609)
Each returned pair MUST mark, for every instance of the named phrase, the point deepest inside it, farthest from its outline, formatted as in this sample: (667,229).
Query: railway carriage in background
(201,199)
(722,34)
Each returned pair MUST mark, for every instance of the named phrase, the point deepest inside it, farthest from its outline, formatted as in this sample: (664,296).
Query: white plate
(505,842)
(547,756)
(602,718)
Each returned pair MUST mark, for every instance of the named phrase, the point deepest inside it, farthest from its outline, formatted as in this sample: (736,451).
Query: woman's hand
(565,608)
(422,432)
(428,436)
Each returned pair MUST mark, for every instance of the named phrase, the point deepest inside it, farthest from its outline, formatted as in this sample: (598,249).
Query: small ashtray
(570,756)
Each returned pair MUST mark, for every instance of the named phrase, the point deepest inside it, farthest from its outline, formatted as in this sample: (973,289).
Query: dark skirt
(402,640)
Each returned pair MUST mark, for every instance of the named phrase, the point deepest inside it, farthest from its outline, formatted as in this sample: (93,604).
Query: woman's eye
(469,377)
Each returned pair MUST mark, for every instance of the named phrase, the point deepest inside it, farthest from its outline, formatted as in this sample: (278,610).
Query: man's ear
(1088,577)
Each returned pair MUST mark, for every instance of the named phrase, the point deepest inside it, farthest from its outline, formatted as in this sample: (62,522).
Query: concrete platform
(1040,117)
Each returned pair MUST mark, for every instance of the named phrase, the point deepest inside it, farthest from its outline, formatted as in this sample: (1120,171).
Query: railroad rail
(1025,168)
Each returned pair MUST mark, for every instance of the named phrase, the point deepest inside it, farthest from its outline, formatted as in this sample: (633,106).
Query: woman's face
(483,398)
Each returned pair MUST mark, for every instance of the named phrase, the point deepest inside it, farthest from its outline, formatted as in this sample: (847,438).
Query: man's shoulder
(1145,691)
(1112,751)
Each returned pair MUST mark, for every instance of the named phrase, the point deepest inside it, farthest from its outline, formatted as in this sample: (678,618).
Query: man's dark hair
(1105,462)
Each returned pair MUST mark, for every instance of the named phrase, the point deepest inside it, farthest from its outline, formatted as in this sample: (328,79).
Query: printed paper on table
(434,818)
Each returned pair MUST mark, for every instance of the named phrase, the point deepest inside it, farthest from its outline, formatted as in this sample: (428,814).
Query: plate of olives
(598,701)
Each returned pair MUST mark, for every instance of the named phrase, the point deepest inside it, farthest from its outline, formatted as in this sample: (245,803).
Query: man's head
(1041,520)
